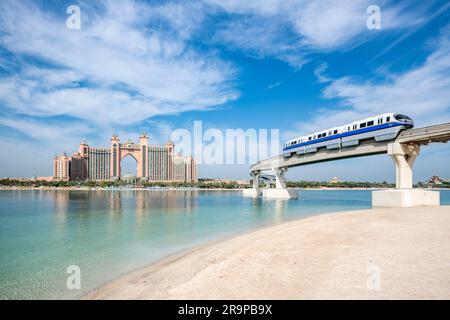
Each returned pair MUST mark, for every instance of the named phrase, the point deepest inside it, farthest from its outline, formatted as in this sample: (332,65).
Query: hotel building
(154,163)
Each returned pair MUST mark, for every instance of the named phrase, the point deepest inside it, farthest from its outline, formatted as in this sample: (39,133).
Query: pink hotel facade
(154,163)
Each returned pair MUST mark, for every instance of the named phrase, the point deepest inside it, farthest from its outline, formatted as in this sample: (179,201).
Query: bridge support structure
(404,195)
(280,191)
(255,191)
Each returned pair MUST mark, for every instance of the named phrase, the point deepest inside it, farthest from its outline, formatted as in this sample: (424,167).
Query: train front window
(401,117)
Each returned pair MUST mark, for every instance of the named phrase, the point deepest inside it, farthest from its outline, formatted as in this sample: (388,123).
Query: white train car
(381,128)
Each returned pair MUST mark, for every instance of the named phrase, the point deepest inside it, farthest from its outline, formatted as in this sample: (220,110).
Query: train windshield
(401,117)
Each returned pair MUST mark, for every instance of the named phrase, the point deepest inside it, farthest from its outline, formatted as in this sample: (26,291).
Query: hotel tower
(154,163)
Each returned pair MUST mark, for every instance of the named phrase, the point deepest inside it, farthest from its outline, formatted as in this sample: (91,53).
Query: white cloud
(134,70)
(422,93)
(291,30)
(273,85)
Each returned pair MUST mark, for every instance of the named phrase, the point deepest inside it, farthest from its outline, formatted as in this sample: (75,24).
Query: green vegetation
(343,184)
(202,184)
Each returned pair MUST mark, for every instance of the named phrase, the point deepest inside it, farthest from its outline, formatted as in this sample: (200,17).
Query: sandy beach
(369,254)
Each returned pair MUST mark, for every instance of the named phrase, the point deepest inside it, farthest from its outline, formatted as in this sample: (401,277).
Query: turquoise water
(109,233)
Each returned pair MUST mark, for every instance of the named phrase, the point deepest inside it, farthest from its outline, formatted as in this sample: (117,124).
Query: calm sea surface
(110,233)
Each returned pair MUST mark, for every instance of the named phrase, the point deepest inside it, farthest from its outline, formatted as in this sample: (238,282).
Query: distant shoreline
(7,188)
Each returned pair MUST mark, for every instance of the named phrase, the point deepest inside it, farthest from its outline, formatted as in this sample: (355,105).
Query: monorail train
(381,128)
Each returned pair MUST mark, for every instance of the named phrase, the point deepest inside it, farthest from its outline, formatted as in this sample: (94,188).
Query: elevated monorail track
(415,136)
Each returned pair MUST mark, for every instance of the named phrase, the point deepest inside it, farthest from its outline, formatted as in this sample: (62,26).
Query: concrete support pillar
(280,191)
(404,157)
(255,177)
(255,191)
(404,195)
(279,177)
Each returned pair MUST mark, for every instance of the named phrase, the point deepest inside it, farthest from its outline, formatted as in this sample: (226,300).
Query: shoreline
(173,257)
(185,189)
(314,266)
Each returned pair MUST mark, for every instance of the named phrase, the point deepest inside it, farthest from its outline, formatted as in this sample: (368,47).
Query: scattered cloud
(422,93)
(273,86)
(118,69)
(292,30)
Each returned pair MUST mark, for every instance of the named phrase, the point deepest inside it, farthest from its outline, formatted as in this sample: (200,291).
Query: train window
(355,126)
(362,125)
(324,134)
(335,131)
(401,117)
(380,120)
(348,128)
(314,137)
(370,123)
(329,133)
(388,119)
(309,138)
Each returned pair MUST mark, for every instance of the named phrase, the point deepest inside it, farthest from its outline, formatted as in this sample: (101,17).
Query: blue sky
(297,66)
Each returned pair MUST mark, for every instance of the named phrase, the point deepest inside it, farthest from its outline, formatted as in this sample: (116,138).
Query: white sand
(326,256)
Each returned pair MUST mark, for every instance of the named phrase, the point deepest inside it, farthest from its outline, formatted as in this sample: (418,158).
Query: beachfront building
(154,163)
(61,167)
(190,172)
(334,180)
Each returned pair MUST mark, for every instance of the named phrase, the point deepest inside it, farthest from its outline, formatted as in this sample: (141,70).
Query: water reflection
(117,203)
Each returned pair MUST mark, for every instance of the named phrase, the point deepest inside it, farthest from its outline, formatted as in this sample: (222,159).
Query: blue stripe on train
(346,134)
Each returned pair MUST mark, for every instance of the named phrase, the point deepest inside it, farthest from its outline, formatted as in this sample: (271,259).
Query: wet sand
(379,253)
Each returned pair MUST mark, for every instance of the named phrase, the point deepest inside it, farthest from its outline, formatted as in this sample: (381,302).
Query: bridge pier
(404,195)
(255,191)
(280,191)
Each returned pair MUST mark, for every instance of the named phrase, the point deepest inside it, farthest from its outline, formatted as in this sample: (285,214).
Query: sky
(295,65)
